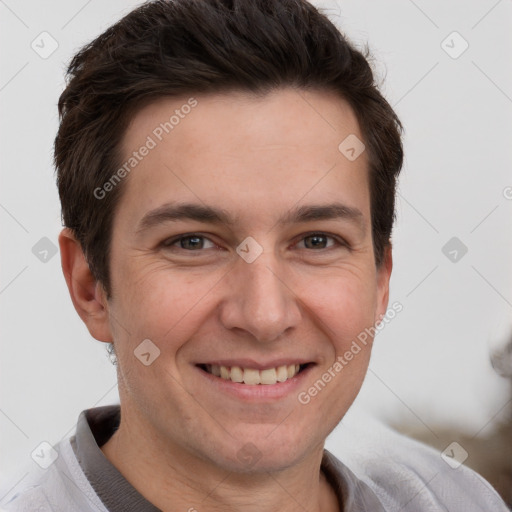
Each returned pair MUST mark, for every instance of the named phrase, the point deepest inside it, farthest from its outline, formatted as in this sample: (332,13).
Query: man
(227,174)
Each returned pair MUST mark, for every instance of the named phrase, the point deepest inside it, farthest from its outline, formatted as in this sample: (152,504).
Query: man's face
(303,300)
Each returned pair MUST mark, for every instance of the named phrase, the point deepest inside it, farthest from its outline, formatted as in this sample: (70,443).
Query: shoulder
(407,475)
(61,487)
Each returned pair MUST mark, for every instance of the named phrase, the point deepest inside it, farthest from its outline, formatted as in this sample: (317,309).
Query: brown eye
(320,241)
(316,241)
(193,242)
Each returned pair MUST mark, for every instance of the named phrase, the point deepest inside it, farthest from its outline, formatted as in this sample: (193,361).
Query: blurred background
(441,369)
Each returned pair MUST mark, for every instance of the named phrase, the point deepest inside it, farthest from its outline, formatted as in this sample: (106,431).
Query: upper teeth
(252,376)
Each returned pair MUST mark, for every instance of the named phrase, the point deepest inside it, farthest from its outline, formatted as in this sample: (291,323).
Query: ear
(383,277)
(88,295)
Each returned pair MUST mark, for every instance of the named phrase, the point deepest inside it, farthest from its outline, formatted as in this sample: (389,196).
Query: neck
(174,479)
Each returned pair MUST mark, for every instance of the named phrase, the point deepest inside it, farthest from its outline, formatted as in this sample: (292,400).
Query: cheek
(161,305)
(345,304)
(347,310)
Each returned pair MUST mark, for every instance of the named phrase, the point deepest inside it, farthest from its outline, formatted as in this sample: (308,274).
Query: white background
(431,364)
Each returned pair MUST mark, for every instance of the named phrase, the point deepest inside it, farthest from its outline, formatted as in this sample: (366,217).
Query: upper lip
(251,363)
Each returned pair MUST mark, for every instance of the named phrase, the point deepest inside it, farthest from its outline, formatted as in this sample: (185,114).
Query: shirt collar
(96,426)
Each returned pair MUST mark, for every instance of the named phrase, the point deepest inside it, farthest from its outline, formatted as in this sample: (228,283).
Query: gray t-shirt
(402,475)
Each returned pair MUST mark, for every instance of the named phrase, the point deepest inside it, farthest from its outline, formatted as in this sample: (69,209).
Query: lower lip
(258,392)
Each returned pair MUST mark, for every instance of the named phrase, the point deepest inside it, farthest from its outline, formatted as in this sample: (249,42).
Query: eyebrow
(214,215)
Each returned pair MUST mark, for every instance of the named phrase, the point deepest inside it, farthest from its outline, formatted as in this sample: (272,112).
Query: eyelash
(169,242)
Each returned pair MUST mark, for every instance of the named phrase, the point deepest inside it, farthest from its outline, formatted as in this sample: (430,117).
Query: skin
(258,158)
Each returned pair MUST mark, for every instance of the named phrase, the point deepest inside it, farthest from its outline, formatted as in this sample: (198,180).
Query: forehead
(237,150)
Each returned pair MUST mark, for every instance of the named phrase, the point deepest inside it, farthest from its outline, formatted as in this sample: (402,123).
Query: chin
(266,451)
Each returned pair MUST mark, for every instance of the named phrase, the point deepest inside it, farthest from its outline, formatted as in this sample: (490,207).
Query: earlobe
(86,293)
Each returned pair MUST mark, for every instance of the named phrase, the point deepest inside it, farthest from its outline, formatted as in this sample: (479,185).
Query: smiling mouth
(252,376)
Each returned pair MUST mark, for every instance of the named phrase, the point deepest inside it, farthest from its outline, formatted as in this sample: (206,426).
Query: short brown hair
(177,47)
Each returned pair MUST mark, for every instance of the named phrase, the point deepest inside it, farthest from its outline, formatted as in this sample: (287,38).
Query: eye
(191,242)
(320,241)
(194,242)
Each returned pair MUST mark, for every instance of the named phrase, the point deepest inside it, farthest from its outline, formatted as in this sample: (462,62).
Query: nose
(260,299)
